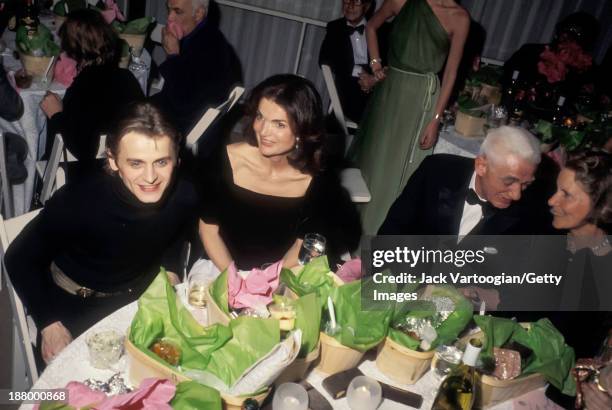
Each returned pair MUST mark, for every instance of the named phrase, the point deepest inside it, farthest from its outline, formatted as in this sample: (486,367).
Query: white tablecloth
(451,142)
(33,123)
(72,364)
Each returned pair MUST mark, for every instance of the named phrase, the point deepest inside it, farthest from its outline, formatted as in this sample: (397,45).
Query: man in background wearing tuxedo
(453,195)
(345,51)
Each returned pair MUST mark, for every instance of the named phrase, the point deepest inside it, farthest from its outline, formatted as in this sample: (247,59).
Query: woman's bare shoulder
(460,15)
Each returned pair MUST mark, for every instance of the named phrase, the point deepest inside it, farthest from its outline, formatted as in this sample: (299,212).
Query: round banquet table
(72,364)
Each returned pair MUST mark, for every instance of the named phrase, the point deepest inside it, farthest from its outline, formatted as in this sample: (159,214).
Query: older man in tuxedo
(452,195)
(345,51)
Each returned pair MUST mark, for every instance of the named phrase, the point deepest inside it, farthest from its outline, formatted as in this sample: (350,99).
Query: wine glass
(364,393)
(197,296)
(312,247)
(290,396)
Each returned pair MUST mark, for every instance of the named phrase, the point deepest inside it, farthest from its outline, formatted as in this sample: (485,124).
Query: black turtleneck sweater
(103,238)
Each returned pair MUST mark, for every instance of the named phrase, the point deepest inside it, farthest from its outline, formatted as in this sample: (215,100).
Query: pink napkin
(255,290)
(176,29)
(112,12)
(153,394)
(350,271)
(65,70)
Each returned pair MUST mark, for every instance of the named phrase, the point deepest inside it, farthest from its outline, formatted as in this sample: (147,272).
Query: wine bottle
(510,92)
(559,113)
(30,16)
(458,390)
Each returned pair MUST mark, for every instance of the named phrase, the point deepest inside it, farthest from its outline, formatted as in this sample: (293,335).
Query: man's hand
(55,338)
(51,104)
(366,82)
(477,295)
(170,42)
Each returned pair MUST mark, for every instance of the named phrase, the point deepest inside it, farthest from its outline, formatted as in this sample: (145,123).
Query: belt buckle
(84,292)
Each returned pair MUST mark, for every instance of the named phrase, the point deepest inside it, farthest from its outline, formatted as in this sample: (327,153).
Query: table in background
(72,364)
(32,125)
(451,142)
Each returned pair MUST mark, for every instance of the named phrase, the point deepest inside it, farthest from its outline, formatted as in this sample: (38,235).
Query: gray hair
(503,141)
(195,4)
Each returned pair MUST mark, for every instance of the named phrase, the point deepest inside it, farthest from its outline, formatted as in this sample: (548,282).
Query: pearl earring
(297,143)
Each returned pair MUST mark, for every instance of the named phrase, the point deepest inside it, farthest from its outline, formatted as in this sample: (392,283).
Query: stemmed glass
(312,247)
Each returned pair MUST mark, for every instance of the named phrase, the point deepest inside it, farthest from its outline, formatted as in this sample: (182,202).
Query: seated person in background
(11,106)
(345,50)
(99,90)
(579,29)
(201,66)
(453,195)
(97,244)
(264,194)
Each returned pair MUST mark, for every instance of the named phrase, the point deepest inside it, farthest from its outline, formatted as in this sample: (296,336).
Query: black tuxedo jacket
(433,199)
(337,53)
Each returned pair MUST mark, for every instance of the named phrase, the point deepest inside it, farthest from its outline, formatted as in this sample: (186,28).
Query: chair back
(210,116)
(50,172)
(336,106)
(328,76)
(9,229)
(54,176)
(7,197)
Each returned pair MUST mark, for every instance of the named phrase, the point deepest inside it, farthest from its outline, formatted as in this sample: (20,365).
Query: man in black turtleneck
(97,244)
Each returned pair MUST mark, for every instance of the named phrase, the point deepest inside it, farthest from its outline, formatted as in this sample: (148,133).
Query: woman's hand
(51,104)
(595,399)
(378,71)
(430,135)
(55,338)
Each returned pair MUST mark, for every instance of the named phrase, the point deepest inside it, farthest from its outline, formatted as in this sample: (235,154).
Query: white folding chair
(24,332)
(54,176)
(348,126)
(7,197)
(351,178)
(209,117)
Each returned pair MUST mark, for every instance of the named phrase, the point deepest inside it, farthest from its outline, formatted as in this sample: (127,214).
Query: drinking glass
(312,247)
(105,347)
(444,360)
(197,289)
(364,393)
(290,396)
(448,118)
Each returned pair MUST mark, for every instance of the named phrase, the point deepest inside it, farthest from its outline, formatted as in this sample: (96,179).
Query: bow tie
(360,28)
(472,198)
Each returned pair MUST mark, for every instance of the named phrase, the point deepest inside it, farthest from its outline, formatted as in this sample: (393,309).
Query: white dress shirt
(360,48)
(472,214)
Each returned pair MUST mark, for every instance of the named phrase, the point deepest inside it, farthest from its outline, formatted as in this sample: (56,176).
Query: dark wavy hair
(302,103)
(88,39)
(593,169)
(143,118)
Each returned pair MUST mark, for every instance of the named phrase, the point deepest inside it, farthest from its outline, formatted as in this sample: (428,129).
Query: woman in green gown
(400,125)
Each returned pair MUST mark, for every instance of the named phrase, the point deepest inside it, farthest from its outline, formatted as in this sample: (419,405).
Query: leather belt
(65,282)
